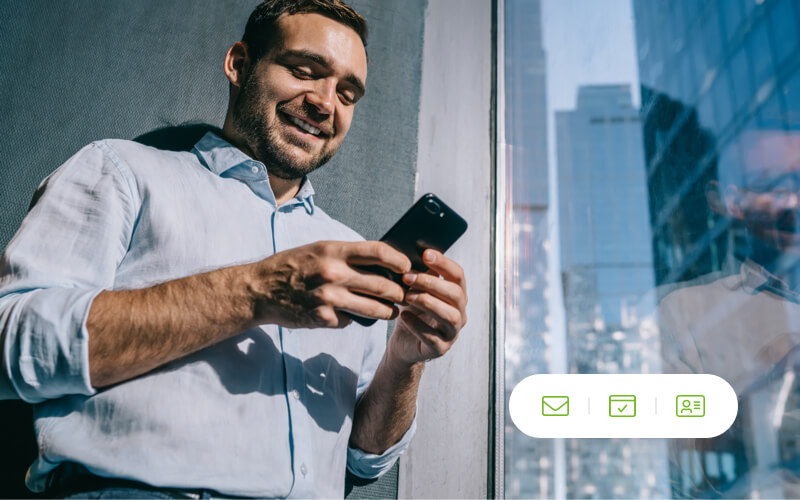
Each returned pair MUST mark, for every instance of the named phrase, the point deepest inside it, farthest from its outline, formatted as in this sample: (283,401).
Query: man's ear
(237,63)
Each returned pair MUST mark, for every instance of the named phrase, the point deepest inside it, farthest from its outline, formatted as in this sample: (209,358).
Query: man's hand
(134,331)
(434,311)
(314,285)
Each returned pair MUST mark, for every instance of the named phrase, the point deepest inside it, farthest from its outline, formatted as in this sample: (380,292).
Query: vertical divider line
(495,464)
(497,480)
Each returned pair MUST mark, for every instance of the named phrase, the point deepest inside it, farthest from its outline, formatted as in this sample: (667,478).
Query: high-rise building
(606,261)
(710,72)
(528,461)
(607,279)
(718,78)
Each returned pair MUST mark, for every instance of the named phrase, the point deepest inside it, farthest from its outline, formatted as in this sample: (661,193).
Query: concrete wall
(449,458)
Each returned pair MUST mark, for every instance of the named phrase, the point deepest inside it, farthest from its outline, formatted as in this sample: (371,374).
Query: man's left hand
(433,313)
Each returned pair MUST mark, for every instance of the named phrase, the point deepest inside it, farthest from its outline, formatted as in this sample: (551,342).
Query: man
(180,319)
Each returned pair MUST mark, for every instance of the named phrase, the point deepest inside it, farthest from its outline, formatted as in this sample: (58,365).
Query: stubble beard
(262,137)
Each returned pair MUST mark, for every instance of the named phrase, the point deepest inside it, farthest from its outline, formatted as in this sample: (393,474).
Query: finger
(376,253)
(445,315)
(448,268)
(343,319)
(368,307)
(427,335)
(445,290)
(342,299)
(376,286)
(329,317)
(433,323)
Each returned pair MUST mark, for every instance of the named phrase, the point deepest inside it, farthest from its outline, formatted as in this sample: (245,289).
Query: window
(662,235)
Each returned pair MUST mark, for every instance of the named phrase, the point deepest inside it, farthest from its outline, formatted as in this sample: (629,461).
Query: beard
(263,139)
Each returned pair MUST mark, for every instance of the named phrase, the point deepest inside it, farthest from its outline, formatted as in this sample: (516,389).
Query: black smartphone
(429,223)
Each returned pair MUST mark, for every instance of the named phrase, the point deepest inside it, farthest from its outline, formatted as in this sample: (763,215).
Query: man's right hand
(134,331)
(314,285)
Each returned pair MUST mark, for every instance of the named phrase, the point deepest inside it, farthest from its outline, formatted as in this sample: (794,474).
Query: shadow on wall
(178,138)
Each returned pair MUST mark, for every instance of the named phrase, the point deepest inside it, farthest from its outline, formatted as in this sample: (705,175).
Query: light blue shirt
(266,413)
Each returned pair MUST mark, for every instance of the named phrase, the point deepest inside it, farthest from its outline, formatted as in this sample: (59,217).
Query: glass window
(712,36)
(668,240)
(758,48)
(731,19)
(791,99)
(742,86)
(721,95)
(783,28)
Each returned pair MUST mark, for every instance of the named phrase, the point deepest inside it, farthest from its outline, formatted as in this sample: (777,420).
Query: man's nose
(323,96)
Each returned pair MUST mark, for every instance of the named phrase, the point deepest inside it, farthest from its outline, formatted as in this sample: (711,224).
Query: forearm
(134,331)
(387,408)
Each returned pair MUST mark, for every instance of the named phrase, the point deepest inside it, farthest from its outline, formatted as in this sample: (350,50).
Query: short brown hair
(259,33)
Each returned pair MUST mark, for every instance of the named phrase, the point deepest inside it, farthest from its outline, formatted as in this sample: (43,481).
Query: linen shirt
(266,413)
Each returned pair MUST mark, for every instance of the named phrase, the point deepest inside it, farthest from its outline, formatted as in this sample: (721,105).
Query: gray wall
(450,456)
(76,71)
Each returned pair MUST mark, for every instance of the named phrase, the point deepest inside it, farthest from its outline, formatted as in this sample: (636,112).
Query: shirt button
(296,394)
(304,469)
(254,170)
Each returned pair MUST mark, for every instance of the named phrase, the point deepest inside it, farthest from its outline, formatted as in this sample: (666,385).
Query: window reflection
(677,238)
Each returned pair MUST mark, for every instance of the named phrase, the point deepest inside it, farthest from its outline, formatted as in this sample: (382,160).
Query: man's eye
(302,72)
(348,97)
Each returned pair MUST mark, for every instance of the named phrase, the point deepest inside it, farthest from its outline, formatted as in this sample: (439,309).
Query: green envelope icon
(555,406)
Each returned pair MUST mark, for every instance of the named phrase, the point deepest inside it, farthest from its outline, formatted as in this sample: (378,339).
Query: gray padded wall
(76,71)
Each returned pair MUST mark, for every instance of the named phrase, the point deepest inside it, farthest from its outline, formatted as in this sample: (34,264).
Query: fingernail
(410,278)
(430,256)
(411,297)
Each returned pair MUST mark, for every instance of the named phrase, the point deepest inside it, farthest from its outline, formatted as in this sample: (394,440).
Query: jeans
(125,492)
(72,480)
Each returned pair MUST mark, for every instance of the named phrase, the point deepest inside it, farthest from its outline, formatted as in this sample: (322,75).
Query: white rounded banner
(630,405)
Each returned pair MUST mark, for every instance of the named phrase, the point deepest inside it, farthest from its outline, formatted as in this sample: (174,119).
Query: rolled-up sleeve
(66,252)
(369,465)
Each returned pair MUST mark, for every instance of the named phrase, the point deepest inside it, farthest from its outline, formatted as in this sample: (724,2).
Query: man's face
(296,103)
(767,197)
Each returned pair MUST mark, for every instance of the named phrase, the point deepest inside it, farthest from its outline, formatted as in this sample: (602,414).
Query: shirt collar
(755,278)
(226,160)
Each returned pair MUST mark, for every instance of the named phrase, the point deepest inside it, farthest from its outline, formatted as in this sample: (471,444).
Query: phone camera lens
(432,207)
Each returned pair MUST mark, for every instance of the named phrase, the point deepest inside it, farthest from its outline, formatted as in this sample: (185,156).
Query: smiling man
(180,319)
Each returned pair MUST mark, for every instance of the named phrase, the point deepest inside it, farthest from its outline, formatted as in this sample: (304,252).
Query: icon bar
(549,406)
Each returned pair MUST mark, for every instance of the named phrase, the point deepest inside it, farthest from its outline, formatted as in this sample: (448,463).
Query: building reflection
(679,229)
(720,94)
(607,276)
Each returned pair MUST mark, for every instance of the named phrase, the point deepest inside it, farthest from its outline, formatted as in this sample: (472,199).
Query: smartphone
(429,223)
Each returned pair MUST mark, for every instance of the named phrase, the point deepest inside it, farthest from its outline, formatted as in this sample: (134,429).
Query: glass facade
(527,333)
(722,165)
(669,240)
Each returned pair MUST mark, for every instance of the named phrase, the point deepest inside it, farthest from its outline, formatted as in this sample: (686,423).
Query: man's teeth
(305,126)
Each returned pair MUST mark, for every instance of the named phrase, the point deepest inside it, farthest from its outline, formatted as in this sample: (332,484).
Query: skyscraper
(607,278)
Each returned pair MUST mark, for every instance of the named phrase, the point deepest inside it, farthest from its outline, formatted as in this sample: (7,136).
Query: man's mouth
(304,125)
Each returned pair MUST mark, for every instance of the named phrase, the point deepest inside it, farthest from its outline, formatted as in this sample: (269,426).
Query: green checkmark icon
(622,405)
